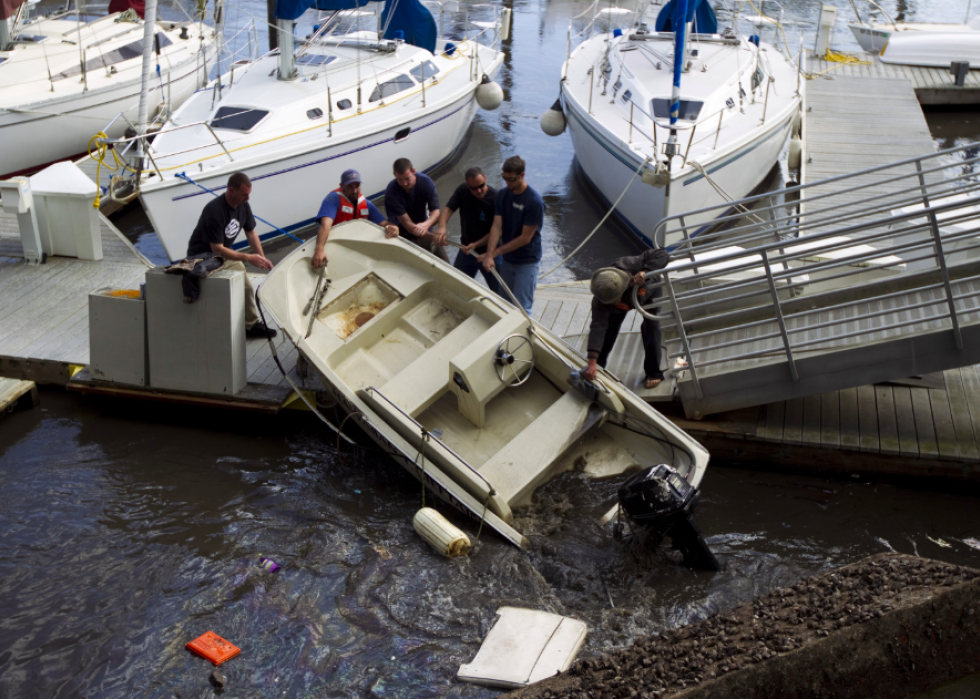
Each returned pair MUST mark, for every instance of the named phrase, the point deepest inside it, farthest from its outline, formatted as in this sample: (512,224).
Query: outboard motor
(660,502)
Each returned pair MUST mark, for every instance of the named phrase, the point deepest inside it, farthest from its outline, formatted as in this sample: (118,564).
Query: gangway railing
(826,267)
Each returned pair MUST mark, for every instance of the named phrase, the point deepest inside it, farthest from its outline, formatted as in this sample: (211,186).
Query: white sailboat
(476,400)
(295,120)
(63,79)
(708,140)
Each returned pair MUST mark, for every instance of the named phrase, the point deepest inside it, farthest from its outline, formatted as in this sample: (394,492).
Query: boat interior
(442,360)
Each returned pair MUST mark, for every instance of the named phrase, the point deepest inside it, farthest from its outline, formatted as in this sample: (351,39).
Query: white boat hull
(609,168)
(873,37)
(287,192)
(932,49)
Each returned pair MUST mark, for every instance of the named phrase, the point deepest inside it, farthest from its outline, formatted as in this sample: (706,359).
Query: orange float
(213,647)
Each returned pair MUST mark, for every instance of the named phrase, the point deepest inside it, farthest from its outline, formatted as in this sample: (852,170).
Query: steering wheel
(507,359)
(642,310)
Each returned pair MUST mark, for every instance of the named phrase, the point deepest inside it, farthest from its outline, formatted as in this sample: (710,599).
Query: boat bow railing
(826,266)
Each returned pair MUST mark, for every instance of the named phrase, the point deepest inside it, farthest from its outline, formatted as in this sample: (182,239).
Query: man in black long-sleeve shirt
(612,296)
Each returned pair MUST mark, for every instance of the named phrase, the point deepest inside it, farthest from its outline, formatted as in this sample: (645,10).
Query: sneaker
(260,330)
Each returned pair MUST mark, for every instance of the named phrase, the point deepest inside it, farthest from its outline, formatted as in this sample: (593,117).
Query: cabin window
(315,113)
(237,118)
(689,109)
(314,60)
(391,87)
(343,104)
(627,95)
(30,38)
(426,68)
(730,103)
(104,60)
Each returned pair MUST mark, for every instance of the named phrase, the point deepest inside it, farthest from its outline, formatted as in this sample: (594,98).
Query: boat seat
(472,377)
(521,466)
(422,382)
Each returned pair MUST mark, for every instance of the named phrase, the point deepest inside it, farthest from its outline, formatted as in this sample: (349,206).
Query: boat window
(237,118)
(391,87)
(314,60)
(427,68)
(315,113)
(627,95)
(689,109)
(343,104)
(127,52)
(30,38)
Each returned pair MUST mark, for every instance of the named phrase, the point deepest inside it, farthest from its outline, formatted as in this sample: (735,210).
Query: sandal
(651,383)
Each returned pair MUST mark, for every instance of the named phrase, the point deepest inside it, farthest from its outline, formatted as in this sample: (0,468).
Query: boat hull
(61,128)
(932,49)
(609,169)
(288,191)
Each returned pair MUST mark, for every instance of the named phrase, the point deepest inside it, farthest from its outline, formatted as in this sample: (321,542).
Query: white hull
(932,49)
(288,191)
(873,37)
(738,170)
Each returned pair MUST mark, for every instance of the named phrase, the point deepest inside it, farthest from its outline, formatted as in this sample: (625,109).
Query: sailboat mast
(679,22)
(149,30)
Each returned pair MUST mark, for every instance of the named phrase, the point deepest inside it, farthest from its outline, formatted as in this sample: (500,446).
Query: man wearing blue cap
(346,203)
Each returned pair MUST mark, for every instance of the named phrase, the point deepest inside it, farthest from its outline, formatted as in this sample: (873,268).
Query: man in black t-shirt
(474,199)
(222,219)
(411,201)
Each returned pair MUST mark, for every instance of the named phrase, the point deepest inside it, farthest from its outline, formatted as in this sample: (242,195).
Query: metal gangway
(853,280)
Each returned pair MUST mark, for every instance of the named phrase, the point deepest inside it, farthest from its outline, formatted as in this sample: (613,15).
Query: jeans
(652,339)
(522,280)
(251,311)
(468,265)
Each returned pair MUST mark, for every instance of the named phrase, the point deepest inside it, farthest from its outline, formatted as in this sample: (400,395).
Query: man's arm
(258,260)
(322,233)
(473,246)
(447,213)
(494,235)
(597,335)
(527,232)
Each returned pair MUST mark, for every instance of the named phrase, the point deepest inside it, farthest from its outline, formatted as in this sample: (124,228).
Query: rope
(183,176)
(599,225)
(98,155)
(725,195)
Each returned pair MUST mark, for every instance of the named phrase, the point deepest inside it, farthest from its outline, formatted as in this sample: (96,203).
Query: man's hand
(391,231)
(467,249)
(592,369)
(638,278)
(319,258)
(439,235)
(260,261)
(487,260)
(421,229)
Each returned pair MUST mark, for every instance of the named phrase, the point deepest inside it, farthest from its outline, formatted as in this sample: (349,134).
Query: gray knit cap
(609,283)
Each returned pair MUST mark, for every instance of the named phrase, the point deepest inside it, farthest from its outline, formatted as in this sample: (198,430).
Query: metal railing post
(219,142)
(683,335)
(631,123)
(690,140)
(779,317)
(687,241)
(940,258)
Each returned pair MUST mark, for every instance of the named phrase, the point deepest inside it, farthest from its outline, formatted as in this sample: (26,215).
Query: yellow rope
(98,155)
(835,57)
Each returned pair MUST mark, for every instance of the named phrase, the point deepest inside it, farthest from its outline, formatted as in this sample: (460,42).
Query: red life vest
(346,211)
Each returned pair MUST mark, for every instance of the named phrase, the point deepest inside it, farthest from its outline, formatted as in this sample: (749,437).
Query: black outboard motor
(660,502)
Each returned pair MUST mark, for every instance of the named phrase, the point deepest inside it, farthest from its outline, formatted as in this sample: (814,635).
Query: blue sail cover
(698,11)
(410,17)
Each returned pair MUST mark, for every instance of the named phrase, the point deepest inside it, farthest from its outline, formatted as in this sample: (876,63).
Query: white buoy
(657,177)
(489,94)
(440,534)
(795,158)
(505,24)
(797,127)
(553,120)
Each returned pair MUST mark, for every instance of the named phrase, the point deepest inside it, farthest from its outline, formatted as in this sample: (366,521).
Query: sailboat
(700,114)
(294,120)
(66,75)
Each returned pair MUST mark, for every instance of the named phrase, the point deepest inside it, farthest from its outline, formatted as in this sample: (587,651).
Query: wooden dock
(932,86)
(44,334)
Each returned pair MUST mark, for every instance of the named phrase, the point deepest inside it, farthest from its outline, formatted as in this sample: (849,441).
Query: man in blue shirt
(346,203)
(412,201)
(516,233)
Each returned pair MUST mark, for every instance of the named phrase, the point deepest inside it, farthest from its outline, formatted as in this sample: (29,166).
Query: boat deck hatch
(358,306)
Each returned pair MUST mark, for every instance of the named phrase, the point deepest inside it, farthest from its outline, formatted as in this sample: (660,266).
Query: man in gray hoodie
(612,296)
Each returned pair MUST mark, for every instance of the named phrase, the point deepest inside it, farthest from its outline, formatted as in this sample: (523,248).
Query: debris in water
(213,647)
(268,565)
(217,679)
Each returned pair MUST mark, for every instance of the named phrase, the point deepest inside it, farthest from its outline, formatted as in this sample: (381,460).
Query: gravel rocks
(778,623)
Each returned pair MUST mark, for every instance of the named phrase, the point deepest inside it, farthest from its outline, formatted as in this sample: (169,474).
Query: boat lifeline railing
(427,434)
(825,266)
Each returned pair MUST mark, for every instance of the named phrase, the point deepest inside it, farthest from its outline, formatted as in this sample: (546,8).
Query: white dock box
(197,346)
(117,336)
(66,218)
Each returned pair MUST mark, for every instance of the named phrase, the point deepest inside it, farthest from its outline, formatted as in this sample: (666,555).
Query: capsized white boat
(459,387)
(734,103)
(932,49)
(874,36)
(294,122)
(64,77)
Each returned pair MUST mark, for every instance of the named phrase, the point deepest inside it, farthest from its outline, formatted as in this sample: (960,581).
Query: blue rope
(183,176)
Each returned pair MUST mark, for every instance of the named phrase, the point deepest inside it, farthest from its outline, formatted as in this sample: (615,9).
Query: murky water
(130,529)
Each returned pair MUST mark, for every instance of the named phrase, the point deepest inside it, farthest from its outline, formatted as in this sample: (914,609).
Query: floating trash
(268,565)
(213,647)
